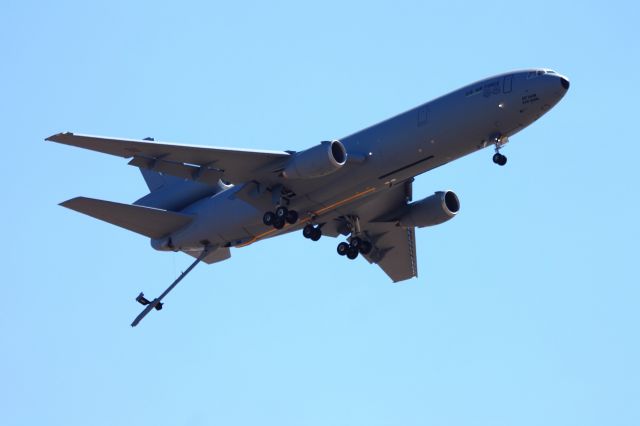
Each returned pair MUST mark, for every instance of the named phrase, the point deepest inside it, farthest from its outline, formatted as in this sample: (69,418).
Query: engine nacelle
(321,160)
(433,210)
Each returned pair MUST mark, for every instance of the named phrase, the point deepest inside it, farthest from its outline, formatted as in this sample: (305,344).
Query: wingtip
(70,202)
(58,136)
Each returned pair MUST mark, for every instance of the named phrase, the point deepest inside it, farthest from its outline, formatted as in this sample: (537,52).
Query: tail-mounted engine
(321,160)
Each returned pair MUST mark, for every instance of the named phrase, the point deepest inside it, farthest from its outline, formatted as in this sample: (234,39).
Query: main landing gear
(311,232)
(281,216)
(355,247)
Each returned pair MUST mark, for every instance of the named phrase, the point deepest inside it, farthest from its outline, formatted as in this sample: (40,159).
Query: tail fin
(148,221)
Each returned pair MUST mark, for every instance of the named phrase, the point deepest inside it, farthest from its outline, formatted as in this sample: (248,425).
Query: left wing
(200,163)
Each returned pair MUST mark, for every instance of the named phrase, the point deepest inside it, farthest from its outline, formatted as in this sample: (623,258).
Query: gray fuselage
(386,154)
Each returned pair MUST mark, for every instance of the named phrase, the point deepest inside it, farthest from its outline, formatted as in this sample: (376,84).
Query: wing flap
(148,221)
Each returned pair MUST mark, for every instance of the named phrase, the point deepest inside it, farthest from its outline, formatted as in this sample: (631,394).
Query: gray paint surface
(375,182)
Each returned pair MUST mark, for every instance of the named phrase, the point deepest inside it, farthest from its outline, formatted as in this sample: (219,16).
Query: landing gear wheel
(316,234)
(291,217)
(312,232)
(278,223)
(499,159)
(343,248)
(281,212)
(356,242)
(307,231)
(268,218)
(365,247)
(352,252)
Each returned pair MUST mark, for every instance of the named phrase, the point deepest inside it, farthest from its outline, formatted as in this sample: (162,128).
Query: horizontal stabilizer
(148,221)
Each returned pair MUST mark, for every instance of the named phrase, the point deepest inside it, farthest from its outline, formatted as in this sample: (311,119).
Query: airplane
(203,200)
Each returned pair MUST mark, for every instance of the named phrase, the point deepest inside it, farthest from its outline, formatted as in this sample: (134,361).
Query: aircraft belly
(219,220)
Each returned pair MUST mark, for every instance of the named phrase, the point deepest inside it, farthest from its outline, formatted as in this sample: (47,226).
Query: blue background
(526,308)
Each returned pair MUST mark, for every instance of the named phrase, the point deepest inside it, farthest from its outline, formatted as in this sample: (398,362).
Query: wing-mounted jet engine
(430,211)
(321,160)
(318,161)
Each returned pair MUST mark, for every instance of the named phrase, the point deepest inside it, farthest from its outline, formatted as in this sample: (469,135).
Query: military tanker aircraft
(204,201)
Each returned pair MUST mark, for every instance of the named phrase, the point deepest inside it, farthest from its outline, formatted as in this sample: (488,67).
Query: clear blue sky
(526,311)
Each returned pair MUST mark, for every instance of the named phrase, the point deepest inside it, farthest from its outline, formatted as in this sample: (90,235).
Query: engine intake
(321,160)
(433,210)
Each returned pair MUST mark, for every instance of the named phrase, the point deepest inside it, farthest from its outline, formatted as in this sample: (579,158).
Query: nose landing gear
(498,158)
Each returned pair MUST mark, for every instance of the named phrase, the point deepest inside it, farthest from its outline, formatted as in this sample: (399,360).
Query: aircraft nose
(564,82)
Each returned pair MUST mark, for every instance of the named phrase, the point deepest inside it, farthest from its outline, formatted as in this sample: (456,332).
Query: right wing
(200,163)
(394,250)
(394,247)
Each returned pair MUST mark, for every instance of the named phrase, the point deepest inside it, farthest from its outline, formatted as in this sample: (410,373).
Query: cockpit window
(534,74)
